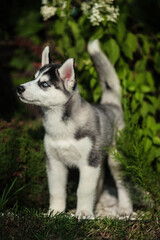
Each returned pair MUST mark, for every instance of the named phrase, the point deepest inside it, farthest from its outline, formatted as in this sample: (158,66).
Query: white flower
(44,2)
(113,13)
(64,5)
(48,12)
(98,10)
(95,17)
(85,8)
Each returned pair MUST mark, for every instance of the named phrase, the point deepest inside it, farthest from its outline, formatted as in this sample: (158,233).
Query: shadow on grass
(31,224)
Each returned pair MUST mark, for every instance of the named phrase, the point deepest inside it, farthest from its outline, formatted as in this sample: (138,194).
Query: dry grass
(34,225)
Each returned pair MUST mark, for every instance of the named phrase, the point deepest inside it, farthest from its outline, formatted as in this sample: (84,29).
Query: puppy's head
(53,84)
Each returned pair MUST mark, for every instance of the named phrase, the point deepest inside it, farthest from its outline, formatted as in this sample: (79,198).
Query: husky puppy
(76,132)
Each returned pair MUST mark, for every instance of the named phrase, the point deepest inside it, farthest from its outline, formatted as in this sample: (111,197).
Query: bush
(138,165)
(22,157)
(132,45)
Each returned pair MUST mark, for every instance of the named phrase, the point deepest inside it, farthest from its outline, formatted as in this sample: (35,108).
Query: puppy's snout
(20,89)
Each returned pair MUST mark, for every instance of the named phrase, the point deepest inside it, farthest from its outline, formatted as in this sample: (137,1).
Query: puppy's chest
(68,150)
(61,144)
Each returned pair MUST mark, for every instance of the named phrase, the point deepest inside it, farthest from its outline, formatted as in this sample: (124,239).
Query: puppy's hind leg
(107,195)
(124,202)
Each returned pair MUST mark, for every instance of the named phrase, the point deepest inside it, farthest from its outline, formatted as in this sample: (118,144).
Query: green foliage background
(133,46)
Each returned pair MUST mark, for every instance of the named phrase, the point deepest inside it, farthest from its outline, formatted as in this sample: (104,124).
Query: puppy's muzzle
(20,89)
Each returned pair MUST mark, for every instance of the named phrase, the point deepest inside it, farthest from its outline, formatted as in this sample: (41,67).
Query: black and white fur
(76,133)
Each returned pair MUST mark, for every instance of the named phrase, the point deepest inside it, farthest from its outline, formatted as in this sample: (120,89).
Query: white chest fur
(60,143)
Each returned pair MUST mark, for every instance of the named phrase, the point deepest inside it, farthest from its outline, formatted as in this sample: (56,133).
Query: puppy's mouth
(27,100)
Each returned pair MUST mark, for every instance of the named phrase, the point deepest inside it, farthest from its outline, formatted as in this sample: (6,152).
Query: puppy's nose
(20,89)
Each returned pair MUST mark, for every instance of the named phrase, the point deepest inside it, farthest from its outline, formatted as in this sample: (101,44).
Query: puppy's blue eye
(45,84)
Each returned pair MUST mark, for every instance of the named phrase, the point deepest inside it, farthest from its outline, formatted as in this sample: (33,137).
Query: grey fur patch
(95,158)
(95,154)
(97,120)
(67,110)
(108,112)
(48,164)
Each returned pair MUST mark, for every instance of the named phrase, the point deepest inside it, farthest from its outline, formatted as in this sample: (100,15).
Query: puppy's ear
(67,73)
(45,56)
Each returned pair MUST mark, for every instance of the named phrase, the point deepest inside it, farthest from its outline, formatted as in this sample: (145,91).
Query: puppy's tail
(111,90)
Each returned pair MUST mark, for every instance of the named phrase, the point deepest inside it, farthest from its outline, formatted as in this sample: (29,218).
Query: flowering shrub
(134,53)
(48,10)
(96,11)
(132,45)
(100,11)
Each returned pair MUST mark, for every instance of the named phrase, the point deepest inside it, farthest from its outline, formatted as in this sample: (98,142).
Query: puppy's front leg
(86,191)
(57,178)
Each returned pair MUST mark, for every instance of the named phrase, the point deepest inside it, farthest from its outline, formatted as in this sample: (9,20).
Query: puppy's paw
(106,212)
(125,211)
(84,214)
(52,212)
(125,208)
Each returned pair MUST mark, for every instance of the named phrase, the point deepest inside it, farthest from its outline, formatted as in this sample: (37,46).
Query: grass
(19,222)
(26,223)
(31,224)
(6,194)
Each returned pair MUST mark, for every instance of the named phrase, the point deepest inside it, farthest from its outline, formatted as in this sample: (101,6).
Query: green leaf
(146,108)
(59,27)
(140,77)
(153,100)
(127,51)
(121,31)
(157,126)
(97,93)
(71,52)
(150,121)
(145,89)
(150,80)
(134,105)
(156,140)
(132,87)
(147,132)
(122,72)
(157,61)
(130,45)
(93,82)
(146,47)
(112,49)
(139,96)
(151,124)
(157,152)
(145,43)
(98,34)
(80,45)
(147,144)
(141,65)
(131,41)
(92,71)
(74,28)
